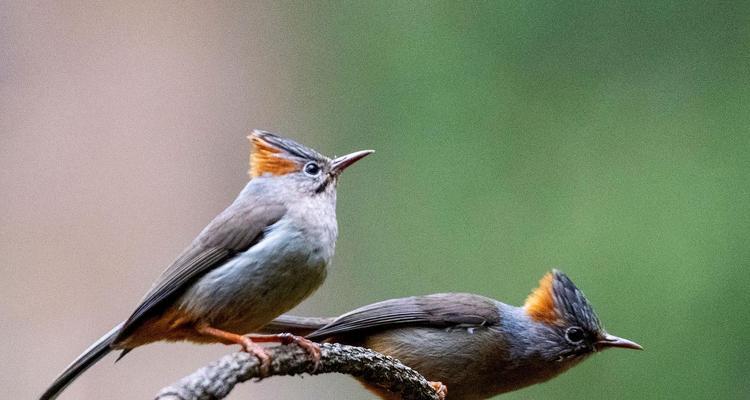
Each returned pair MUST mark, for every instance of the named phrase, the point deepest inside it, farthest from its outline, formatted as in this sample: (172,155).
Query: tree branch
(216,380)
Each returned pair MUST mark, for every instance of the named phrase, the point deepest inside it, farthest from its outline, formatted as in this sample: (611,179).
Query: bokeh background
(608,140)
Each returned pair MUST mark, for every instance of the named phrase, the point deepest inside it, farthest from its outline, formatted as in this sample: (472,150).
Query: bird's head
(572,329)
(309,171)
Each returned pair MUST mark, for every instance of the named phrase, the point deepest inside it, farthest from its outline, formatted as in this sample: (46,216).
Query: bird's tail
(88,358)
(300,326)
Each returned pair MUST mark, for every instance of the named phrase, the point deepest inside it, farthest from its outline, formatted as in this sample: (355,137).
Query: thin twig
(216,380)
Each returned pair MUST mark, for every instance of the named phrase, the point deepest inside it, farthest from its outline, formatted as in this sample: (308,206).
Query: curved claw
(312,348)
(258,351)
(440,389)
(246,341)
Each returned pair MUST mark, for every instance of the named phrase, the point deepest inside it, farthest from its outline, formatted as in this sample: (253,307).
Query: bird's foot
(249,346)
(440,389)
(245,341)
(312,348)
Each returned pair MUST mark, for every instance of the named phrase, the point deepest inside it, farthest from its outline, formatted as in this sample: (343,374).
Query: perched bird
(478,347)
(260,257)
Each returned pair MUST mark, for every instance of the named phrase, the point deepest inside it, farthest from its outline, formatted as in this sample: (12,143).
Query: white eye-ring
(574,335)
(312,169)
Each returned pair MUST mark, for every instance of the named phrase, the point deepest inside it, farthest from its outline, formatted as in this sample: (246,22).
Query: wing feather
(437,310)
(233,231)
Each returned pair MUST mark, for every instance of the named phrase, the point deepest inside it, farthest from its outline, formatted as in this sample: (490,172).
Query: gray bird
(476,346)
(260,257)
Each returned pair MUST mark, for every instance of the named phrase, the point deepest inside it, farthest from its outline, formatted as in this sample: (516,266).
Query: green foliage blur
(608,139)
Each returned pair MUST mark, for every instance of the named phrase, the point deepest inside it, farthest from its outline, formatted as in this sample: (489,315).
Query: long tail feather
(284,324)
(88,358)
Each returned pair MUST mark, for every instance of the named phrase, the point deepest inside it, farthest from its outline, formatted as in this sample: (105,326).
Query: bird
(476,346)
(261,256)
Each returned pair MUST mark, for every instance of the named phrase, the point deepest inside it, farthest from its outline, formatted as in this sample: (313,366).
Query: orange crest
(540,305)
(267,159)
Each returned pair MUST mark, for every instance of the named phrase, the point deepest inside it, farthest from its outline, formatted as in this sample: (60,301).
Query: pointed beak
(613,341)
(339,164)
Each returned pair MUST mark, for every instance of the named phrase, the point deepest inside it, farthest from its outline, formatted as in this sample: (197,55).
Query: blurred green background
(609,140)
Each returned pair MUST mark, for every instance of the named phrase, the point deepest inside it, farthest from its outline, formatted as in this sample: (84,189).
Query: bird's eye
(312,169)
(574,335)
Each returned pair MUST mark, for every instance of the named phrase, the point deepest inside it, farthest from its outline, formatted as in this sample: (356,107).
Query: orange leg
(440,389)
(312,348)
(247,344)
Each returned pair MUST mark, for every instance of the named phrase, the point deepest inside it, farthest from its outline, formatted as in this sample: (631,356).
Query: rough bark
(217,379)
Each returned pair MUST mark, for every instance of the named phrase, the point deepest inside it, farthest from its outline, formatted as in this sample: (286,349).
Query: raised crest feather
(266,158)
(540,305)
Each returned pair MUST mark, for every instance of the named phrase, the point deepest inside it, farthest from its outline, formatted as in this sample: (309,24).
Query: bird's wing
(233,231)
(437,310)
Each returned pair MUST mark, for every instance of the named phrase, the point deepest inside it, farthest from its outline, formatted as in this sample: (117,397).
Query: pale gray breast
(268,279)
(315,218)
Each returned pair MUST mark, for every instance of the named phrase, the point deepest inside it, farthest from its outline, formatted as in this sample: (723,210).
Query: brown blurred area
(122,132)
